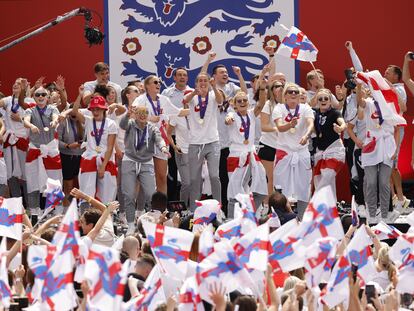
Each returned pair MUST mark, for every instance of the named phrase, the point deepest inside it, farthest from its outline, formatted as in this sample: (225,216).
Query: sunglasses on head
(40,94)
(323,99)
(292,92)
(244,100)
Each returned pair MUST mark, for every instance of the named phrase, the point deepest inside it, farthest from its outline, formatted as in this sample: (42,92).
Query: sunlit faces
(102,76)
(391,75)
(303,98)
(241,102)
(202,82)
(132,93)
(111,98)
(221,75)
(291,93)
(97,113)
(41,96)
(324,100)
(141,113)
(278,76)
(16,86)
(54,97)
(181,77)
(153,85)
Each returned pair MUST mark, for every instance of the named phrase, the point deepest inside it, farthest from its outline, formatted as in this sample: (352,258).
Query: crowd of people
(145,146)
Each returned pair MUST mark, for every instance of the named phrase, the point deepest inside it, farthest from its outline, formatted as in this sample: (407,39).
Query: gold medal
(201,121)
(98,149)
(377,126)
(46,129)
(246,142)
(292,130)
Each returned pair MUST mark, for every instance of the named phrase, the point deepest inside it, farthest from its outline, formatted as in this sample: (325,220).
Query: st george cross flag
(229,230)
(171,248)
(205,213)
(282,256)
(319,261)
(406,276)
(384,231)
(11,218)
(253,248)
(206,243)
(384,95)
(5,293)
(53,287)
(190,299)
(67,237)
(54,194)
(359,254)
(106,278)
(151,295)
(401,249)
(338,284)
(296,45)
(321,218)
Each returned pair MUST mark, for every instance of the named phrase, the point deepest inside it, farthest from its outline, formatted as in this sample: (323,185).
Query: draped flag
(384,231)
(253,248)
(205,213)
(359,254)
(406,276)
(283,257)
(246,209)
(171,248)
(338,284)
(384,95)
(5,293)
(320,257)
(274,221)
(296,45)
(229,230)
(53,278)
(54,193)
(321,218)
(106,278)
(354,213)
(11,218)
(206,243)
(151,294)
(402,248)
(190,299)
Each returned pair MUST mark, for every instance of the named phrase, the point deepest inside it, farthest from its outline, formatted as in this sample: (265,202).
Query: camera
(350,83)
(411,55)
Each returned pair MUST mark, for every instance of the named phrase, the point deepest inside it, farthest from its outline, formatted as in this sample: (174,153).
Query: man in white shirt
(102,78)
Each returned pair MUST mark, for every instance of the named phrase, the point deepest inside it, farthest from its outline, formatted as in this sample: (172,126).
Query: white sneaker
(122,219)
(131,229)
(362,212)
(374,220)
(391,217)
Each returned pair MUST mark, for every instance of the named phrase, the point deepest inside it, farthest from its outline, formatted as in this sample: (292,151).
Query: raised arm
(262,98)
(60,87)
(242,82)
(217,93)
(406,72)
(24,88)
(360,99)
(76,105)
(91,200)
(211,56)
(98,226)
(356,62)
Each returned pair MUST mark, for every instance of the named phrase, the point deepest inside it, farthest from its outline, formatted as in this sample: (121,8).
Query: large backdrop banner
(155,37)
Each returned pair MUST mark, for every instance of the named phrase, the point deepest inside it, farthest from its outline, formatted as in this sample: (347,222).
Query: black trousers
(224,177)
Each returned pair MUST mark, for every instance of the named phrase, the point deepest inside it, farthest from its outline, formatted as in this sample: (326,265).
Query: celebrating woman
(292,170)
(243,163)
(330,152)
(98,169)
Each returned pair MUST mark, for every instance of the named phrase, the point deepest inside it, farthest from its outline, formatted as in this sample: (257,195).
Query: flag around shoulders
(11,218)
(297,45)
(171,248)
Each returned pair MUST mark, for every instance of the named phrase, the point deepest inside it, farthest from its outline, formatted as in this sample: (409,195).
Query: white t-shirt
(206,132)
(258,126)
(91,85)
(175,95)
(109,128)
(167,108)
(237,133)
(399,87)
(351,112)
(16,127)
(287,140)
(269,138)
(120,138)
(230,89)
(182,128)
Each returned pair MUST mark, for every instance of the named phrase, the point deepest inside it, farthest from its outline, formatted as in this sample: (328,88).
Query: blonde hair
(287,86)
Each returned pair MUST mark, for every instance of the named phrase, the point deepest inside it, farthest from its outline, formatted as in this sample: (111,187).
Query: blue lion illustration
(174,17)
(173,55)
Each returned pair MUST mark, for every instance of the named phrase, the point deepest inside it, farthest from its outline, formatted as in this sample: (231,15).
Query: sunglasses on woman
(156,82)
(40,94)
(293,92)
(323,99)
(244,100)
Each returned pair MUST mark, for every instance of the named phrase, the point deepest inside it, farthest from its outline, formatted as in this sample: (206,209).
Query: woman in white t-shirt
(158,106)
(292,164)
(98,170)
(204,137)
(243,163)
(267,143)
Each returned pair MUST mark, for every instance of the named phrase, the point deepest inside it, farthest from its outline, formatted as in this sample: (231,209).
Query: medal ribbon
(203,106)
(14,108)
(98,134)
(75,132)
(379,112)
(139,141)
(156,109)
(290,116)
(41,112)
(245,125)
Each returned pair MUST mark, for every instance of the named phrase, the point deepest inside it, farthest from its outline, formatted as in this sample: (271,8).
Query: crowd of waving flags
(236,253)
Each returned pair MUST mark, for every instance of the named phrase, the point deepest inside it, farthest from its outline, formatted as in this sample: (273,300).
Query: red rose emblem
(272,41)
(201,45)
(131,46)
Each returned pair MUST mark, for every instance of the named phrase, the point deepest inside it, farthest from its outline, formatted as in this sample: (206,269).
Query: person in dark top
(281,206)
(330,152)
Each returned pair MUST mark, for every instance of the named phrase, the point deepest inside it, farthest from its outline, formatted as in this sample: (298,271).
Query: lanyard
(98,134)
(245,125)
(139,141)
(14,108)
(157,109)
(41,112)
(290,116)
(203,106)
(75,132)
(379,112)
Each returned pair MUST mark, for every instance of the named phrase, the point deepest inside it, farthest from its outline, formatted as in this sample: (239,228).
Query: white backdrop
(147,37)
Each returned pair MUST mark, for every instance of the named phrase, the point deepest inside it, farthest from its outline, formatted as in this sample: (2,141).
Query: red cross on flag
(296,45)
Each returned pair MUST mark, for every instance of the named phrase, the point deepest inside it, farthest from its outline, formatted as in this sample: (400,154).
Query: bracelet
(260,89)
(272,55)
